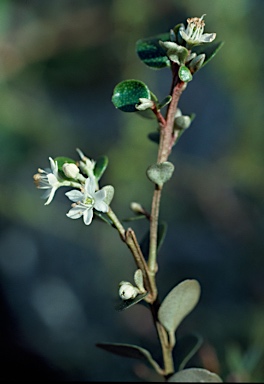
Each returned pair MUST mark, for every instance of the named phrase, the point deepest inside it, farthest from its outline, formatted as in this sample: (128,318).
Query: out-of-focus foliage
(59,63)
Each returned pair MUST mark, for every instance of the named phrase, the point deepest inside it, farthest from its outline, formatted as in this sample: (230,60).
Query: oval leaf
(185,349)
(144,244)
(195,375)
(154,136)
(100,167)
(125,304)
(209,50)
(138,279)
(109,191)
(126,95)
(160,173)
(131,351)
(178,304)
(151,53)
(184,74)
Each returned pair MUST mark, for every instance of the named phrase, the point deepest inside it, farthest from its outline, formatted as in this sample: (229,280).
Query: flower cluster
(86,196)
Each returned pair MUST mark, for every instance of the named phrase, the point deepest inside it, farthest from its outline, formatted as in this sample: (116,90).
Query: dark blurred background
(59,62)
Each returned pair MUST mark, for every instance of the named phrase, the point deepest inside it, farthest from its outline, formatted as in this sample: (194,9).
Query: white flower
(48,179)
(193,34)
(86,201)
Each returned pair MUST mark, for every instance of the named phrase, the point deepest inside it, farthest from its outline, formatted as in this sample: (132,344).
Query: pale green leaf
(195,375)
(132,351)
(109,193)
(178,304)
(160,173)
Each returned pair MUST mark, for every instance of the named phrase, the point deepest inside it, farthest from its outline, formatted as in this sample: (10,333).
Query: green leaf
(195,375)
(127,93)
(133,218)
(160,173)
(185,349)
(109,190)
(100,167)
(165,102)
(154,136)
(178,39)
(62,160)
(125,304)
(151,53)
(130,351)
(178,304)
(103,217)
(184,74)
(210,50)
(138,279)
(144,244)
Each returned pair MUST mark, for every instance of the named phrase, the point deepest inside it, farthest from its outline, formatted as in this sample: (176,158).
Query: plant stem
(129,237)
(154,218)
(167,139)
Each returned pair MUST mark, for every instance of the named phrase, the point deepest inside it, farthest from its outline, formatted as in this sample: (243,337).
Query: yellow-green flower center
(89,201)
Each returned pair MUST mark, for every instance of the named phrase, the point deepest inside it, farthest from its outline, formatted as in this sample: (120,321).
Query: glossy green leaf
(184,74)
(100,167)
(185,349)
(210,50)
(126,95)
(151,53)
(154,136)
(144,244)
(62,160)
(180,301)
(130,351)
(160,173)
(125,304)
(195,375)
(165,102)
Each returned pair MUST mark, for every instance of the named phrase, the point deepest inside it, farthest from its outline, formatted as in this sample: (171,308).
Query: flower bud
(127,290)
(70,170)
(144,104)
(137,208)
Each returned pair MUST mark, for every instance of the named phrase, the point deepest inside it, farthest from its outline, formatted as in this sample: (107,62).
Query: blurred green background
(59,62)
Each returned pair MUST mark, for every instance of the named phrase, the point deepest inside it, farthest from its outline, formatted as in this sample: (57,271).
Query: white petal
(52,164)
(76,212)
(87,216)
(51,195)
(99,195)
(207,37)
(101,206)
(52,179)
(90,186)
(184,35)
(74,195)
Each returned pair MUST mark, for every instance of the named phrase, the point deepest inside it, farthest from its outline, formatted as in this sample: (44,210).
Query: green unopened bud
(182,122)
(176,53)
(70,170)
(137,208)
(197,63)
